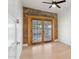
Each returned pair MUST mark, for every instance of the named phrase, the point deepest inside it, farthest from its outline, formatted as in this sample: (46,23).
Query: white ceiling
(37,4)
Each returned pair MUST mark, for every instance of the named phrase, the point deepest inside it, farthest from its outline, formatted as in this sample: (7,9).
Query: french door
(41,30)
(36,31)
(47,30)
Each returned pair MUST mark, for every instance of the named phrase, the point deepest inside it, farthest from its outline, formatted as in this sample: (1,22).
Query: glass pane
(47,30)
(34,29)
(37,30)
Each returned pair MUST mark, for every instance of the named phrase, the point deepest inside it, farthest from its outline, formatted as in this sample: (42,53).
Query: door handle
(17,43)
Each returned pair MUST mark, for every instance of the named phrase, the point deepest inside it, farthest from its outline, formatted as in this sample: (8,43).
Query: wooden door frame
(30,18)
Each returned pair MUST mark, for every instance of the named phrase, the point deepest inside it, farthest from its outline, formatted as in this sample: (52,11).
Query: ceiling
(37,4)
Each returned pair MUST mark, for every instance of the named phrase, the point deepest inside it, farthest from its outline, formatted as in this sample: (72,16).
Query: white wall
(15,10)
(64,26)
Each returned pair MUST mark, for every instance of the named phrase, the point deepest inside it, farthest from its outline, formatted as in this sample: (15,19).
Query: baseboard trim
(56,40)
(64,43)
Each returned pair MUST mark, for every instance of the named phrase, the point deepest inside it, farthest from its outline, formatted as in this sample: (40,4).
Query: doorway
(41,30)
